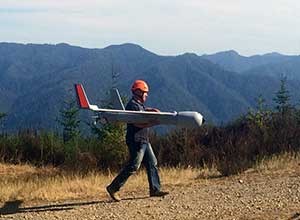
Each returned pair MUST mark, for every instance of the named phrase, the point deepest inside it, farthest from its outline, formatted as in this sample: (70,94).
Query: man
(137,140)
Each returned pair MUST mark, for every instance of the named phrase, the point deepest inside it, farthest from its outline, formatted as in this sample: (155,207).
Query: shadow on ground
(13,207)
(296,216)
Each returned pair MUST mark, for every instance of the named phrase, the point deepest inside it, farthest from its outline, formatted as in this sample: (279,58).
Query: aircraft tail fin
(85,104)
(81,97)
(116,99)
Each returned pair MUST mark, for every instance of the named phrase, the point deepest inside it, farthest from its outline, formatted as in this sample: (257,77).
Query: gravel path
(251,195)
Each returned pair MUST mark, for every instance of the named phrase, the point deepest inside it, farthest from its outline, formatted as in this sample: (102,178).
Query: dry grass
(279,162)
(27,183)
(32,185)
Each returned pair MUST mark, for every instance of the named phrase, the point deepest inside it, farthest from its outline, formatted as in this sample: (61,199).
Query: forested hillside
(36,80)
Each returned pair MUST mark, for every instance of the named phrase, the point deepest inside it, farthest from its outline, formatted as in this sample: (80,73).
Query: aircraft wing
(184,119)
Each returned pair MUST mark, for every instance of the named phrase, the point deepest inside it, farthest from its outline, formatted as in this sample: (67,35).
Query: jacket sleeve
(133,107)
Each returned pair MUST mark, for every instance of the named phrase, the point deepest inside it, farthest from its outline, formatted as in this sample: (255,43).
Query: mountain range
(36,80)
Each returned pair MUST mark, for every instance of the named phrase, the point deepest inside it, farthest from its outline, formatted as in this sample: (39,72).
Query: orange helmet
(140,84)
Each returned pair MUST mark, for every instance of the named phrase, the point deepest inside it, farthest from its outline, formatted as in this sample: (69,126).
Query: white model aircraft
(188,119)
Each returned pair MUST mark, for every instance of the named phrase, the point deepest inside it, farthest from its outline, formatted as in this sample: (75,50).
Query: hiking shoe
(158,194)
(113,194)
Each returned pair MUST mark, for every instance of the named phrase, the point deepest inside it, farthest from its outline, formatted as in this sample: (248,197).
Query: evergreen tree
(2,116)
(105,130)
(261,115)
(112,150)
(69,121)
(282,98)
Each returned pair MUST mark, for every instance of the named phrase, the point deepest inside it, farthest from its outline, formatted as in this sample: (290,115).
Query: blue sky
(161,26)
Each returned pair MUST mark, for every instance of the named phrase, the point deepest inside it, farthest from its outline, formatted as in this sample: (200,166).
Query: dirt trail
(253,195)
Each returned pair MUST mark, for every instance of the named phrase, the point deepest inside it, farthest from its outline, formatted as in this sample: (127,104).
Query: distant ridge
(36,79)
(233,61)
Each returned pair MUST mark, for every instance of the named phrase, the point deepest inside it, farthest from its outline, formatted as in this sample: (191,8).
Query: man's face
(142,95)
(145,95)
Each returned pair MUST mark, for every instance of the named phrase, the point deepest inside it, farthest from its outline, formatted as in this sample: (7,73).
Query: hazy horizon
(163,27)
(272,52)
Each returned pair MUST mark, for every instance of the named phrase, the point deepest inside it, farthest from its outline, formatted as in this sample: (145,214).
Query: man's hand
(150,124)
(152,110)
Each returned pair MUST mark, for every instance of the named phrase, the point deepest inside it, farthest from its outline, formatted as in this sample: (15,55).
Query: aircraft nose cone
(190,119)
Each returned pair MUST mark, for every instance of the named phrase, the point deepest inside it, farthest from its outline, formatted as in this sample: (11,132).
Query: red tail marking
(82,99)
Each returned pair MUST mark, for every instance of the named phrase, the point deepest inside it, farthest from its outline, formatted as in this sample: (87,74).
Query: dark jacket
(135,134)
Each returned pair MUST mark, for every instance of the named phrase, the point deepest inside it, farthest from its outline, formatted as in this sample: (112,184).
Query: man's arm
(152,109)
(150,124)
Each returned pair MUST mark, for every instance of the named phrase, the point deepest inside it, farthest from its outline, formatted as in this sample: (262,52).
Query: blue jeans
(139,152)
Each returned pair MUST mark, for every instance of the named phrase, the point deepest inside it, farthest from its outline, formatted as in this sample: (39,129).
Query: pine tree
(261,115)
(69,121)
(113,150)
(2,116)
(282,98)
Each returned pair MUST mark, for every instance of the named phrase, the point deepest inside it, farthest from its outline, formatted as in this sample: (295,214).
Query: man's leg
(137,152)
(150,162)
